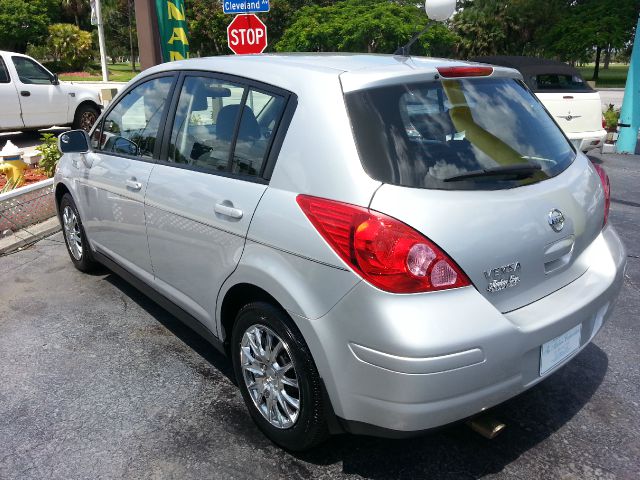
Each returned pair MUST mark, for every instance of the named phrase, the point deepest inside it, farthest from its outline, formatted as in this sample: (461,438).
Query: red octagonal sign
(247,34)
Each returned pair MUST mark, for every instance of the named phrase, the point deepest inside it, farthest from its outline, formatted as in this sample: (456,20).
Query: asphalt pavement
(96,381)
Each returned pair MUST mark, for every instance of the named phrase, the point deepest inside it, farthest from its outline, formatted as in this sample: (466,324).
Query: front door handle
(228,210)
(25,93)
(133,184)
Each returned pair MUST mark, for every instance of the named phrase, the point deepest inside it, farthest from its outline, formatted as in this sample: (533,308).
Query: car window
(205,123)
(260,117)
(423,134)
(29,72)
(132,126)
(560,82)
(4,74)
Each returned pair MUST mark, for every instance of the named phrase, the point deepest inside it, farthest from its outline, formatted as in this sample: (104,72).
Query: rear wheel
(277,377)
(86,116)
(74,236)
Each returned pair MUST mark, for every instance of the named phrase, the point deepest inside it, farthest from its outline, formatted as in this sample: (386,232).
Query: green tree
(590,27)
(69,47)
(504,27)
(207,27)
(120,29)
(24,21)
(363,26)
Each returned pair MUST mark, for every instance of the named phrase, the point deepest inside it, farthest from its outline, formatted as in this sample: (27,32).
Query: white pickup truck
(31,97)
(574,105)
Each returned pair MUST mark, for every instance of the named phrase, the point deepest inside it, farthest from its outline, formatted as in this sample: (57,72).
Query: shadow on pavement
(451,452)
(456,451)
(184,333)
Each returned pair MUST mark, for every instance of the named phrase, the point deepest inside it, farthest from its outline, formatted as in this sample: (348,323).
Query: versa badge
(503,277)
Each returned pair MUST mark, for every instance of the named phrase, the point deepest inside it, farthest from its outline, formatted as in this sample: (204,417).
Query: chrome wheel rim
(72,232)
(270,376)
(87,119)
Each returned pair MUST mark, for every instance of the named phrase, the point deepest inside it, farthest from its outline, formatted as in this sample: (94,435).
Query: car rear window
(559,82)
(424,134)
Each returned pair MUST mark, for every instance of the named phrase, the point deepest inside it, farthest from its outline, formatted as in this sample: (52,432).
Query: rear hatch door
(503,239)
(452,154)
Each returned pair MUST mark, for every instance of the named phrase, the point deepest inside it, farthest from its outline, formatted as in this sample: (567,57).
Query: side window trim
(277,138)
(236,129)
(3,67)
(163,119)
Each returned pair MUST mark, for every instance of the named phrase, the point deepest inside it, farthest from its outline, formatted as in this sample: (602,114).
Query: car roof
(294,71)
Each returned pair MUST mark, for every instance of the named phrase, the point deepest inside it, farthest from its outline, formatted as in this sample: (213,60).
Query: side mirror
(124,146)
(74,141)
(54,79)
(440,10)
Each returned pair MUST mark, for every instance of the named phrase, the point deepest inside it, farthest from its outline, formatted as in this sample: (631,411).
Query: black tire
(85,261)
(85,117)
(310,428)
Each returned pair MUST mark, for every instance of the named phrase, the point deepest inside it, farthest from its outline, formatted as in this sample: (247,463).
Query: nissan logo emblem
(556,220)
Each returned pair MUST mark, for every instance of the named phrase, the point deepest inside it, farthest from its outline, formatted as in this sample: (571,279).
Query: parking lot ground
(96,381)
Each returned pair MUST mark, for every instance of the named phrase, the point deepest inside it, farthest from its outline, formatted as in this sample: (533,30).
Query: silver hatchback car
(381,244)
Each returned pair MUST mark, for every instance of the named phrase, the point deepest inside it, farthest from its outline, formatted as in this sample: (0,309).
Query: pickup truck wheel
(86,116)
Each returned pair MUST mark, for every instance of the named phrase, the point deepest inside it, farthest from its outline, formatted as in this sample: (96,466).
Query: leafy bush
(611,117)
(69,47)
(50,153)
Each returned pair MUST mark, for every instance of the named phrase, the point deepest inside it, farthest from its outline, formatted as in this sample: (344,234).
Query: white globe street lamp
(440,10)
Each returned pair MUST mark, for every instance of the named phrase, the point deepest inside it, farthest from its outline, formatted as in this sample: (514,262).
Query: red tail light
(604,178)
(384,251)
(604,123)
(449,72)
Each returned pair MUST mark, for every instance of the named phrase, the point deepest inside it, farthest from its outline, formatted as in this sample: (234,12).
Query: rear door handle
(25,93)
(228,210)
(133,184)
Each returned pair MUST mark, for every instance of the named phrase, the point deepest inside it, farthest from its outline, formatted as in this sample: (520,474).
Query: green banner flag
(172,25)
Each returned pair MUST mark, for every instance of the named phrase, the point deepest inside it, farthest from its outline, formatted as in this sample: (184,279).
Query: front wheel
(277,377)
(74,236)
(86,116)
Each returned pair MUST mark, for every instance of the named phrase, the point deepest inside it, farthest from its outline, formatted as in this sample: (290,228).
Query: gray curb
(31,234)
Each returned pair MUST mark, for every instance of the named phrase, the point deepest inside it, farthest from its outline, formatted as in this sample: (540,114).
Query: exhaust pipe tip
(486,426)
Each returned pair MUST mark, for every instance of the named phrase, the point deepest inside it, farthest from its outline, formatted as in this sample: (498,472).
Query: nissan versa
(381,244)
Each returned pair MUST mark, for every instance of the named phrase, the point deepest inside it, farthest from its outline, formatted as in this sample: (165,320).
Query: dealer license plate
(555,351)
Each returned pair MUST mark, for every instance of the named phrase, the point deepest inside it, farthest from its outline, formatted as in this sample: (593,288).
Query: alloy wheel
(270,376)
(72,232)
(87,119)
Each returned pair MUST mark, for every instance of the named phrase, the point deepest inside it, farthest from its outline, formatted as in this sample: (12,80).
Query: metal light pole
(103,54)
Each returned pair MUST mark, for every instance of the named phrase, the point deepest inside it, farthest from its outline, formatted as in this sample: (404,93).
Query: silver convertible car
(381,244)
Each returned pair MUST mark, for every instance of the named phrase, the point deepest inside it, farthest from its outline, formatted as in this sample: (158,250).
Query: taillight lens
(451,72)
(604,178)
(604,123)
(384,251)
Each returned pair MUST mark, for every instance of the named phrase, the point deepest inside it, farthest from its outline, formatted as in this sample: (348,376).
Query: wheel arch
(60,190)
(88,102)
(234,299)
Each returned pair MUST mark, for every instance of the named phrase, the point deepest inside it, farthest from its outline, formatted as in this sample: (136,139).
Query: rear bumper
(407,363)
(585,141)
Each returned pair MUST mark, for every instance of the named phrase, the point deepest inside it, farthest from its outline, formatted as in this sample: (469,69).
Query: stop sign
(247,34)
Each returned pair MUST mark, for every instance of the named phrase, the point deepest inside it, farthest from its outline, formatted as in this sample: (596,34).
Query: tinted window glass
(560,83)
(29,72)
(4,74)
(423,134)
(131,128)
(260,117)
(205,123)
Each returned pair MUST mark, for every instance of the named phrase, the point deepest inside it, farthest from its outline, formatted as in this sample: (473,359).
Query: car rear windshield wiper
(515,171)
